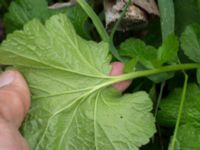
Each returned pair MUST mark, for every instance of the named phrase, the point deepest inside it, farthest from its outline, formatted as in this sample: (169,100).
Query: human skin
(15,103)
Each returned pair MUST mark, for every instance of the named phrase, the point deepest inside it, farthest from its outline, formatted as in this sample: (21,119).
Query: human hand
(15,102)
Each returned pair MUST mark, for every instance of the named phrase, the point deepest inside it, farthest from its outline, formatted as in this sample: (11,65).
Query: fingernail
(6,78)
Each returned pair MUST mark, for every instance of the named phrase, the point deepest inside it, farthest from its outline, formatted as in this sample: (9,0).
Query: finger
(14,97)
(117,69)
(10,137)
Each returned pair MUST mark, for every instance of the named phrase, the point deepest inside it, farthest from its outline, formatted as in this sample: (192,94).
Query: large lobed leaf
(73,106)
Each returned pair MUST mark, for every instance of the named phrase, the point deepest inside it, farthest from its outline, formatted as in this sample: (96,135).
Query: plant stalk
(100,28)
(144,73)
(173,143)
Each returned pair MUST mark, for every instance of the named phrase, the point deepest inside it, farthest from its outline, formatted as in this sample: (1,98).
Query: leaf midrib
(94,89)
(57,67)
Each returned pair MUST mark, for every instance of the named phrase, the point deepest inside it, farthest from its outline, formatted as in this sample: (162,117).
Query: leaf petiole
(183,95)
(144,73)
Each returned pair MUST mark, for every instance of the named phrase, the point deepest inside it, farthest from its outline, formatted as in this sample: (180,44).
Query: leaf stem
(144,73)
(159,98)
(95,19)
(120,19)
(172,145)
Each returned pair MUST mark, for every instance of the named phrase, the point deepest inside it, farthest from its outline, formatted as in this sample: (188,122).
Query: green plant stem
(120,19)
(100,28)
(159,98)
(112,47)
(144,73)
(137,74)
(95,19)
(172,146)
(114,51)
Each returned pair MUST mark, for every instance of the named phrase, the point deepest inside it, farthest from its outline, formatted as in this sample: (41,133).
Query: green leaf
(130,65)
(186,13)
(149,57)
(188,137)
(73,105)
(22,11)
(167,17)
(169,106)
(168,50)
(190,42)
(188,132)
(198,76)
(78,18)
(136,48)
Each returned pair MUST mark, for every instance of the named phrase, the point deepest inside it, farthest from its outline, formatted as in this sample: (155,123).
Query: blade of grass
(159,98)
(120,19)
(167,16)
(95,19)
(99,26)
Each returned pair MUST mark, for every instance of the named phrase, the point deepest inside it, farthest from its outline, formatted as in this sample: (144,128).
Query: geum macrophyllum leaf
(73,105)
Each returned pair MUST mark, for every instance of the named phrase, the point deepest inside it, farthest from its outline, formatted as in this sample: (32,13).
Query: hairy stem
(144,73)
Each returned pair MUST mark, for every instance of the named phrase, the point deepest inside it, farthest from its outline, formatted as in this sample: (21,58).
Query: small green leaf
(130,65)
(169,107)
(137,48)
(190,42)
(73,103)
(188,137)
(149,57)
(168,51)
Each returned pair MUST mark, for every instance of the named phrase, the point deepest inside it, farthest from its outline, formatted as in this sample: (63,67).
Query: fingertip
(18,85)
(117,69)
(14,96)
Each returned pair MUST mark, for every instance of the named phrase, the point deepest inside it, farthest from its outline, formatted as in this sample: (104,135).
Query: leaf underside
(73,105)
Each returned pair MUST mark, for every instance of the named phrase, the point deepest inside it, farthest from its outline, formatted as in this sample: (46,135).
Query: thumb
(117,69)
(14,97)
